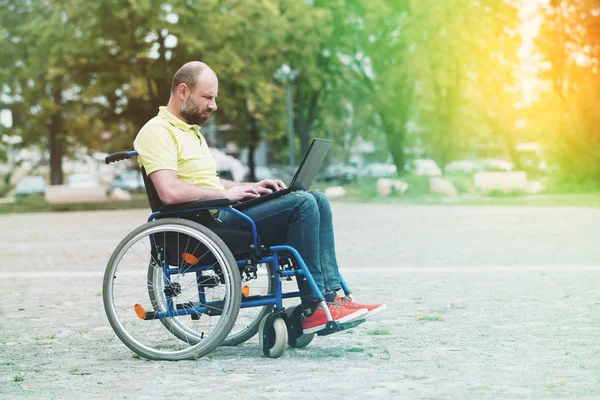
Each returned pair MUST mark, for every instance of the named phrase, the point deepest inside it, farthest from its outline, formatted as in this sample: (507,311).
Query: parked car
(339,173)
(422,166)
(463,167)
(130,180)
(379,170)
(30,185)
(82,181)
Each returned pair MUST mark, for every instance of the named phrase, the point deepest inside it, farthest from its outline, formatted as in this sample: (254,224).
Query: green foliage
(566,117)
(504,193)
(441,75)
(417,78)
(562,184)
(417,185)
(462,184)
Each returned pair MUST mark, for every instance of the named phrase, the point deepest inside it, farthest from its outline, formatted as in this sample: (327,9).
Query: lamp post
(286,74)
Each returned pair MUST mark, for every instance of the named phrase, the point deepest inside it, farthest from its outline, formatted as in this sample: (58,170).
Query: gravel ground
(483,302)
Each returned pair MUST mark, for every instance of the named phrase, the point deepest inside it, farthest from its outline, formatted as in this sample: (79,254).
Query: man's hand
(267,186)
(239,193)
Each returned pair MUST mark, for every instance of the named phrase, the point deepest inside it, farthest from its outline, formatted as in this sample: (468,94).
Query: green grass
(18,378)
(421,317)
(361,191)
(39,204)
(378,332)
(365,191)
(541,200)
(355,350)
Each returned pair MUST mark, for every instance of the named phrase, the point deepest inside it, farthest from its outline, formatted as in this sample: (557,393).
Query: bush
(417,185)
(504,193)
(4,189)
(564,184)
(462,184)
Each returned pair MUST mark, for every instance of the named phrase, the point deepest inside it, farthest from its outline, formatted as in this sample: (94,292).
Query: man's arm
(265,186)
(174,191)
(227,184)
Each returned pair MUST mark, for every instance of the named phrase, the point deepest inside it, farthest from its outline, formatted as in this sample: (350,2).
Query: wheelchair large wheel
(172,290)
(248,320)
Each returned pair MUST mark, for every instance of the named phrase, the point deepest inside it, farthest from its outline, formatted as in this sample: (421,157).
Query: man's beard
(190,111)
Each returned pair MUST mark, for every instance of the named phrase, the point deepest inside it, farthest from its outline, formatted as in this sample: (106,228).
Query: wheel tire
(304,339)
(249,319)
(278,335)
(130,273)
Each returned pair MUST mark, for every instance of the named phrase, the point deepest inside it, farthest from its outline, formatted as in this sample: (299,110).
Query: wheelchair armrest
(192,205)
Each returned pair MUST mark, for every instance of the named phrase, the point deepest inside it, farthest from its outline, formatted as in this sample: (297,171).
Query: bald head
(189,74)
(194,93)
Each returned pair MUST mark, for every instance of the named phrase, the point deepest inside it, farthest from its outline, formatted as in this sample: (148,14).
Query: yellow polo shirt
(166,142)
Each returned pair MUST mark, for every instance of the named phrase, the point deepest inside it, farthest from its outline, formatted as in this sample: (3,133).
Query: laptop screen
(305,175)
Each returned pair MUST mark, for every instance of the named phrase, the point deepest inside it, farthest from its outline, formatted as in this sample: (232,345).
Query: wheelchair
(180,285)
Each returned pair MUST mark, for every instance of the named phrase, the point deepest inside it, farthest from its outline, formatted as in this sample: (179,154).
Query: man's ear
(182,91)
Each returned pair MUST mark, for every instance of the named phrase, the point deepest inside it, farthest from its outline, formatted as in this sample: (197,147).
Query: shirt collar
(164,113)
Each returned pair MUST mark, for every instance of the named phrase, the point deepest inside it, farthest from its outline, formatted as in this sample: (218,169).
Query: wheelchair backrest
(151,192)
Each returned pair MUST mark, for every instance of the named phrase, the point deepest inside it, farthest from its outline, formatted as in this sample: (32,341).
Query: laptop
(304,177)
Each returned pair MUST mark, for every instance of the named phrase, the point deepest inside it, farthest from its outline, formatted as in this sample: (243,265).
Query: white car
(379,170)
(30,185)
(82,181)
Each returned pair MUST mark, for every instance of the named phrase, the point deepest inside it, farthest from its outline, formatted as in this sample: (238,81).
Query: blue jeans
(302,220)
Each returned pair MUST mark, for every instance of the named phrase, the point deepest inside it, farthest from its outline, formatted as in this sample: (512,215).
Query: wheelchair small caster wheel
(276,338)
(331,327)
(304,339)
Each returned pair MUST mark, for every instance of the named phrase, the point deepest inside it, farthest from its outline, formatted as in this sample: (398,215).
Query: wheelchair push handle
(121,155)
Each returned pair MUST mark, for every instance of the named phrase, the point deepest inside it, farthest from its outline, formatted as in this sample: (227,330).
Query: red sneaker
(318,319)
(348,304)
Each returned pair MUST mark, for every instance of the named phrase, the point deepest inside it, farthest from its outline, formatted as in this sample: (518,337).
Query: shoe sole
(375,311)
(360,314)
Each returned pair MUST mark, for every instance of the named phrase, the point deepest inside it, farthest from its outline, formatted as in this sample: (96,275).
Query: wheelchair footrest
(333,327)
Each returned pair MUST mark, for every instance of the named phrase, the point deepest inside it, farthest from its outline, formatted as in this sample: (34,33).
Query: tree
(36,86)
(570,52)
(244,42)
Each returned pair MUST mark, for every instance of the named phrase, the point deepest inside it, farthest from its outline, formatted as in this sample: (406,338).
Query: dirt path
(482,303)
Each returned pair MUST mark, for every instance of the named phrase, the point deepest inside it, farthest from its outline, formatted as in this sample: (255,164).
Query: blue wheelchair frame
(275,299)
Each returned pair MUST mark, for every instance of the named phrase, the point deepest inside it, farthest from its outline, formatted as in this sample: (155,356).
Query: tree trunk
(395,141)
(252,145)
(512,149)
(56,151)
(56,140)
(304,121)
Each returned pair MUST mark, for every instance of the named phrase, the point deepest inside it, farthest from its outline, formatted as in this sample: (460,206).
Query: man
(176,158)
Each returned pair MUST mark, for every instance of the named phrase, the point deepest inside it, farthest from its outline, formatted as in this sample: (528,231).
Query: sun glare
(531,19)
